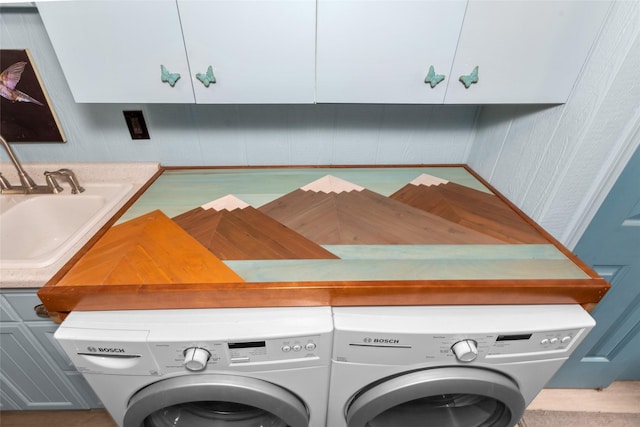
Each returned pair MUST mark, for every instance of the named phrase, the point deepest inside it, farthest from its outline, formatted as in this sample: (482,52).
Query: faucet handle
(70,177)
(4,184)
(52,183)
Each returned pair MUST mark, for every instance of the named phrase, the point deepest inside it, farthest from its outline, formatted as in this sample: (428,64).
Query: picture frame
(26,112)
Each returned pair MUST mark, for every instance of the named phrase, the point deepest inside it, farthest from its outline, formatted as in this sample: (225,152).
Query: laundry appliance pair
(321,366)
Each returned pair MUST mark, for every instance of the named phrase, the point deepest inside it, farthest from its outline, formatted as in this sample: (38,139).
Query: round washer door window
(221,414)
(215,400)
(443,397)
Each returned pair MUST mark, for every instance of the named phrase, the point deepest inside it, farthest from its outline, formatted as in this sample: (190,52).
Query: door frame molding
(609,174)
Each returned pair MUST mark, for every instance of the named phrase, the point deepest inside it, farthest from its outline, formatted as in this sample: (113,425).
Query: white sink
(37,230)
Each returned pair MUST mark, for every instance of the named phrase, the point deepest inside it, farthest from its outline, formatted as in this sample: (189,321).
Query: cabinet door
(525,51)
(28,378)
(112,51)
(381,51)
(260,51)
(35,373)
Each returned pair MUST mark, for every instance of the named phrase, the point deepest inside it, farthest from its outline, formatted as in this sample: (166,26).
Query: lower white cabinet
(34,371)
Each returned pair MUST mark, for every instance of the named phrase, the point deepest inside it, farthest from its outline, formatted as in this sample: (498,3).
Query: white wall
(237,135)
(557,163)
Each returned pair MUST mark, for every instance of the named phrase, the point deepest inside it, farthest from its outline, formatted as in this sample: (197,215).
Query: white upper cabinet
(334,51)
(382,51)
(525,51)
(112,51)
(259,51)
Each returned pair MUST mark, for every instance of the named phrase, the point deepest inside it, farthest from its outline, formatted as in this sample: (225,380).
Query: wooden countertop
(250,237)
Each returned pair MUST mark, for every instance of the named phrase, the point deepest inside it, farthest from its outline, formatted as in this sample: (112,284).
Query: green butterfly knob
(470,79)
(207,78)
(432,78)
(168,77)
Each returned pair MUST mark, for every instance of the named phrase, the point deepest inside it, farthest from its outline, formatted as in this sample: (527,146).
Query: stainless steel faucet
(28,186)
(67,175)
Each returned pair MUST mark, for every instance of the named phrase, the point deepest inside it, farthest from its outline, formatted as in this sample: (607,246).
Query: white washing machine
(445,366)
(205,367)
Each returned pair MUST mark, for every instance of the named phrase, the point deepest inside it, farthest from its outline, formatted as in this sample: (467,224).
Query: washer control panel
(457,334)
(278,349)
(533,342)
(199,356)
(159,342)
(357,347)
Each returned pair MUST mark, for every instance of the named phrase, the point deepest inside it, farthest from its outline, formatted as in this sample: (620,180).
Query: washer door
(438,397)
(215,400)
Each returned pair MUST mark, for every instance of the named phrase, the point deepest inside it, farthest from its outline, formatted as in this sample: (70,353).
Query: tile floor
(616,406)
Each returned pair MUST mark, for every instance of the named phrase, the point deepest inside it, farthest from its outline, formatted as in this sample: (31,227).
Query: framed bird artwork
(26,112)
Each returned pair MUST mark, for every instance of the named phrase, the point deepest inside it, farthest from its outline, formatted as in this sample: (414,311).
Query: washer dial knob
(195,358)
(465,350)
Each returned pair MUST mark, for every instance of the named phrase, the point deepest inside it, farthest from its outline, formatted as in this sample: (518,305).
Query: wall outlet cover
(136,124)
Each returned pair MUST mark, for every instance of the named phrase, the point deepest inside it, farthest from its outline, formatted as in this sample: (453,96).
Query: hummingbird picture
(8,81)
(26,111)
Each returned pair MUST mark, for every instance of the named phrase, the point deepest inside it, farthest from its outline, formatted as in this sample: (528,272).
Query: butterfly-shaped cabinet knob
(432,78)
(470,79)
(207,78)
(168,77)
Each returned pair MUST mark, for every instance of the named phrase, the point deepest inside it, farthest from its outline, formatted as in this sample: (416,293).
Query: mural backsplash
(237,134)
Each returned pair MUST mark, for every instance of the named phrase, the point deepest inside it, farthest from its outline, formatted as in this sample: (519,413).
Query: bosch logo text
(110,350)
(382,340)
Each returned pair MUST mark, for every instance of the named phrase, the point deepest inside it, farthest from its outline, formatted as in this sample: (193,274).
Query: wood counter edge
(161,296)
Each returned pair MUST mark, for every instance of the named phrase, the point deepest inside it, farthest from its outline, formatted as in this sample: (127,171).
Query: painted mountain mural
(233,230)
(331,211)
(467,207)
(150,249)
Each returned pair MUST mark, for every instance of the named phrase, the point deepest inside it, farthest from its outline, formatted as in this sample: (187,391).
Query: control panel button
(310,346)
(296,347)
(566,339)
(465,350)
(545,341)
(195,358)
(554,340)
(286,348)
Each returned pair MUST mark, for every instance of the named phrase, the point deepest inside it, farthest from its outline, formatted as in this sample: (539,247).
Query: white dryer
(223,367)
(446,366)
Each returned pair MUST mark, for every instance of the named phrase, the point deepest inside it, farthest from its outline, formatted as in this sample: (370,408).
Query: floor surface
(615,406)
(579,419)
